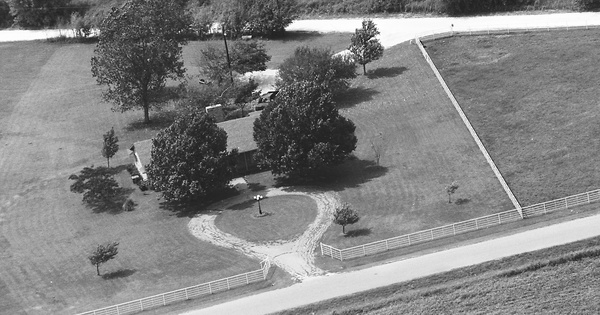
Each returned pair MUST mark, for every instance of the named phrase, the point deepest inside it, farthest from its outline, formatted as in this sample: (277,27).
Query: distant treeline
(50,13)
(450,7)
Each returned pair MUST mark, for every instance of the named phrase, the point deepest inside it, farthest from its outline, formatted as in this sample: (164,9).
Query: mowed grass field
(559,280)
(287,217)
(533,100)
(401,107)
(51,125)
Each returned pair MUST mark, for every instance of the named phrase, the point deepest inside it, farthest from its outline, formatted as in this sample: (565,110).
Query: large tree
(39,13)
(190,160)
(96,184)
(302,132)
(269,18)
(364,46)
(266,18)
(245,56)
(318,65)
(139,48)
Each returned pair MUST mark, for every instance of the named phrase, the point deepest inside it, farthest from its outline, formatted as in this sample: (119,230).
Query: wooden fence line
(460,227)
(186,293)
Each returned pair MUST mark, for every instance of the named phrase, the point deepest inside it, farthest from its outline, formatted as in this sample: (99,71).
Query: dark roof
(239,133)
(239,136)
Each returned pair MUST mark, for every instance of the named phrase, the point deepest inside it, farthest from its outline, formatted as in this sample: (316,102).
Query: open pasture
(401,108)
(533,100)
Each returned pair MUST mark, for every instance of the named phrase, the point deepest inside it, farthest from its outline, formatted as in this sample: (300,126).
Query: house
(239,136)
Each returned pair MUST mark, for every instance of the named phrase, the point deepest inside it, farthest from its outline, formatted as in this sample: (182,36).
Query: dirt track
(295,256)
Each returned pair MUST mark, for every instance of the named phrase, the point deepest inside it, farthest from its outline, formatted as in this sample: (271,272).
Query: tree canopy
(190,160)
(245,56)
(345,216)
(110,145)
(317,65)
(364,46)
(103,253)
(96,184)
(266,18)
(302,132)
(139,48)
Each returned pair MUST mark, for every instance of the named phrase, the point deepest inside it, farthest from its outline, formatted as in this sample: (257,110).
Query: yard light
(259,198)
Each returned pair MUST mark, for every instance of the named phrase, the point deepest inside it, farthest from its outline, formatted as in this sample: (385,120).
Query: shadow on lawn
(298,36)
(354,96)
(182,209)
(388,72)
(358,232)
(158,120)
(353,173)
(122,273)
(113,205)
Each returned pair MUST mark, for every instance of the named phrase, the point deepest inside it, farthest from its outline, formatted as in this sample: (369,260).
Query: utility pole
(227,53)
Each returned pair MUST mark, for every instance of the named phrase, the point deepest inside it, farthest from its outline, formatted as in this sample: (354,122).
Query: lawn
(559,280)
(279,50)
(533,100)
(51,126)
(400,107)
(286,217)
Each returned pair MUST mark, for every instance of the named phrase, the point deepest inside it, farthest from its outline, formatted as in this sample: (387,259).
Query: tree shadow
(462,201)
(256,187)
(113,205)
(299,36)
(191,209)
(353,173)
(122,273)
(354,96)
(388,72)
(358,232)
(158,120)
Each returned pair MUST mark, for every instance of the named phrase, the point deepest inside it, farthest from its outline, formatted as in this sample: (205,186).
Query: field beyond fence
(460,227)
(186,293)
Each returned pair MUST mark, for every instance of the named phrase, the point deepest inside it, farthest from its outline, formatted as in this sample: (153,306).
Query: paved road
(397,30)
(334,285)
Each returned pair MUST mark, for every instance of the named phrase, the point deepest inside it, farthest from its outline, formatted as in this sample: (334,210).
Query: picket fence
(460,227)
(186,293)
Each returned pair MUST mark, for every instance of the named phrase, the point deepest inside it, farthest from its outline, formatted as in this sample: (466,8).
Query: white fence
(186,293)
(459,227)
(467,123)
(504,29)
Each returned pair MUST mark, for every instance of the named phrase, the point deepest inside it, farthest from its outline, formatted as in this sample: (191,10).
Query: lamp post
(259,198)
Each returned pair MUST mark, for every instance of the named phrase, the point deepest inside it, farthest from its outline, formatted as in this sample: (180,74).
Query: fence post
(566,203)
(118,313)
(321,248)
(341,251)
(387,247)
(476,224)
(408,239)
(499,220)
(141,306)
(454,228)
(431,234)
(186,294)
(228,288)
(544,208)
(164,302)
(248,281)
(209,288)
(588,195)
(364,251)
